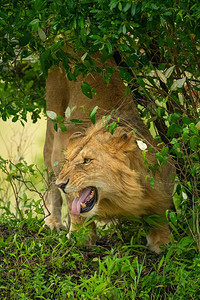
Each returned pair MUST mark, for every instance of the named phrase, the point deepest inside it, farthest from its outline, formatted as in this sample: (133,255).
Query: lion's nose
(62,185)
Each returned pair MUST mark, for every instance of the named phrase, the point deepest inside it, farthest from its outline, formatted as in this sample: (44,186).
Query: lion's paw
(155,241)
(53,223)
(154,248)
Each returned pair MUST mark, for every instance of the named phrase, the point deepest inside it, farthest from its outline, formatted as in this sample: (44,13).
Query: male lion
(106,172)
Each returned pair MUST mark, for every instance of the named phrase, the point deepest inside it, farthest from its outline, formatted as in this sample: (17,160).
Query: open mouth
(85,201)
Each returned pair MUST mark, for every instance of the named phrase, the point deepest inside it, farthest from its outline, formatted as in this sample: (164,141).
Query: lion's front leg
(57,99)
(159,235)
(52,210)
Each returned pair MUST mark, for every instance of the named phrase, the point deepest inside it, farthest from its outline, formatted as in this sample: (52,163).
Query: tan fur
(117,169)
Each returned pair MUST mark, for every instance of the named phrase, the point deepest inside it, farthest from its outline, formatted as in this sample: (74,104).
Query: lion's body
(117,169)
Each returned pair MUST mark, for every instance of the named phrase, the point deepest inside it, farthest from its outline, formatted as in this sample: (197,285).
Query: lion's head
(107,174)
(99,170)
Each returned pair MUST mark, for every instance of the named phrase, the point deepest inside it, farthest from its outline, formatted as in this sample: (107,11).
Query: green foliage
(21,91)
(18,175)
(108,124)
(47,265)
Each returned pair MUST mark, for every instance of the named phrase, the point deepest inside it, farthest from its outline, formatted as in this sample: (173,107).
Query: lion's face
(98,170)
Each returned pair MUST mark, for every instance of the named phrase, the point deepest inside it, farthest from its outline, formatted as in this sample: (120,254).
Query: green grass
(36,263)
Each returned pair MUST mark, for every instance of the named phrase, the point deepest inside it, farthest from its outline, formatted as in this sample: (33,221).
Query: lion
(104,174)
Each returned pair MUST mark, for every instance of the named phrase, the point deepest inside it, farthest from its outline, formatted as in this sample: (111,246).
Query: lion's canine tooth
(83,205)
(76,194)
(92,194)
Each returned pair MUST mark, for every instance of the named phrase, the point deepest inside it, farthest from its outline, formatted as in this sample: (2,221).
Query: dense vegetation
(156,47)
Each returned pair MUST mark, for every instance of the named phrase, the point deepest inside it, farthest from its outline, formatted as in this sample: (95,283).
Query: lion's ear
(124,142)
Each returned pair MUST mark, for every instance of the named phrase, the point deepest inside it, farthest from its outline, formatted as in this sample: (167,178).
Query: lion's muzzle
(85,200)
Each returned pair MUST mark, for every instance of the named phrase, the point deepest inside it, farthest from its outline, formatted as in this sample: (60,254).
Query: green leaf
(152,181)
(92,114)
(193,128)
(168,255)
(65,62)
(76,121)
(178,84)
(109,46)
(60,119)
(161,76)
(63,127)
(55,126)
(127,91)
(169,72)
(133,9)
(83,34)
(51,114)
(127,6)
(69,111)
(33,22)
(113,126)
(120,6)
(159,156)
(95,37)
(86,89)
(173,218)
(41,34)
(161,112)
(185,137)
(161,262)
(198,125)
(113,4)
(165,151)
(15,118)
(4,117)
(124,29)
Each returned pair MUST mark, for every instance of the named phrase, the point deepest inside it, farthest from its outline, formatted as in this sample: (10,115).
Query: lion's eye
(86,161)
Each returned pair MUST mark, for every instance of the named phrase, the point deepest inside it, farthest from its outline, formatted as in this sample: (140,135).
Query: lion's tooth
(92,194)
(83,205)
(76,194)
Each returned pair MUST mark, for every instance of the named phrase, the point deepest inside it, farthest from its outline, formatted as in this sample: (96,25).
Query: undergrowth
(36,263)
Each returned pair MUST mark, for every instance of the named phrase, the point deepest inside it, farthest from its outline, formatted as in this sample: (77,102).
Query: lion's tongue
(83,197)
